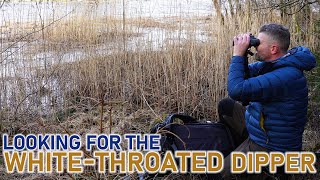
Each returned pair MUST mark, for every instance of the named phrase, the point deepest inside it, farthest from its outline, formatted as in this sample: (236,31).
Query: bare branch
(280,6)
(2,3)
(28,34)
(304,5)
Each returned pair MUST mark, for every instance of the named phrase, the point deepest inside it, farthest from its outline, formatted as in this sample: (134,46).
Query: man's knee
(225,107)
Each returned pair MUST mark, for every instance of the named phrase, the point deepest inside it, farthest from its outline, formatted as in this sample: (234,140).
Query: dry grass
(144,22)
(183,76)
(136,87)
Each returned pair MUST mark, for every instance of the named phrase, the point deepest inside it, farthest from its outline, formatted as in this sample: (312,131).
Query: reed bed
(87,74)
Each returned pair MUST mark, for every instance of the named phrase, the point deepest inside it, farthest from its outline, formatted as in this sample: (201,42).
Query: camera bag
(192,135)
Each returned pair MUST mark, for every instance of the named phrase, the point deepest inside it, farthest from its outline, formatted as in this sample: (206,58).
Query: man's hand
(241,44)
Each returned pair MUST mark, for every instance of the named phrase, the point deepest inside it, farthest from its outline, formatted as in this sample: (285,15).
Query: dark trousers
(231,113)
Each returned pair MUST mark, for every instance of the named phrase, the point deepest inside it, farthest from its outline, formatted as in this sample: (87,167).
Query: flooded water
(14,14)
(33,11)
(17,61)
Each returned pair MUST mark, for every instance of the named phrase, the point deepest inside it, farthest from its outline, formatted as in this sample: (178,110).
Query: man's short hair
(278,33)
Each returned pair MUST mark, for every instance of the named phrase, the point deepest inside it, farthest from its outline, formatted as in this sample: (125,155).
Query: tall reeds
(92,73)
(82,59)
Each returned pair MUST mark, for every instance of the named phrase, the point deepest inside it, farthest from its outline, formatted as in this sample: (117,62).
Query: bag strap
(169,120)
(167,142)
(184,117)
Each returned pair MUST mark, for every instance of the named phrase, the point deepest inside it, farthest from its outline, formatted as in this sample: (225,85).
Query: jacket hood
(299,57)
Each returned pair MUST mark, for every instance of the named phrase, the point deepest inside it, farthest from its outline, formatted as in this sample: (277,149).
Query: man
(276,90)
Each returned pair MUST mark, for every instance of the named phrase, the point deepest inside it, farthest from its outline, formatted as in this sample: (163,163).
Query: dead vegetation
(113,87)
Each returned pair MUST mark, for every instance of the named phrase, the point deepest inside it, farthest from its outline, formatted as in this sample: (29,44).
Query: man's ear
(275,49)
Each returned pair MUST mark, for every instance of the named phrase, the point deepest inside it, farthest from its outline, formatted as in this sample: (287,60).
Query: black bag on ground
(193,135)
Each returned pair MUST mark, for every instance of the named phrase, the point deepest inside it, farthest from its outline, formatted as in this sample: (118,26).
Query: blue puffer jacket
(277,93)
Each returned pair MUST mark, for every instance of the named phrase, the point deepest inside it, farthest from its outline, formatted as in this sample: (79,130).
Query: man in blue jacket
(276,90)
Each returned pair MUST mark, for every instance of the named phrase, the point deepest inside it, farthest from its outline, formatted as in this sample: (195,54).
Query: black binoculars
(253,41)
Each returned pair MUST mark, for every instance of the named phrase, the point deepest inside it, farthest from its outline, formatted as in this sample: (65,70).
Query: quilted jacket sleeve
(274,84)
(254,68)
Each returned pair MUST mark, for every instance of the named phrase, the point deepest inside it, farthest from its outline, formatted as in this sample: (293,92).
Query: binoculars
(253,41)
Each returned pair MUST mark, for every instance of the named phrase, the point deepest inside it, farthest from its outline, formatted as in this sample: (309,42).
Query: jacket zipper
(262,126)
